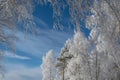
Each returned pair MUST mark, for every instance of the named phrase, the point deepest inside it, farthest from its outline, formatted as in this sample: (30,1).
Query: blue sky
(25,63)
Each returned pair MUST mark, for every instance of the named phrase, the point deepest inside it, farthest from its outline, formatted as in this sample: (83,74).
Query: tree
(63,59)
(91,58)
(104,25)
(14,12)
(48,66)
(78,66)
(74,58)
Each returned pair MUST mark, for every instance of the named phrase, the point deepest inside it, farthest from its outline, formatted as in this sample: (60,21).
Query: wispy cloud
(13,55)
(40,23)
(20,72)
(38,45)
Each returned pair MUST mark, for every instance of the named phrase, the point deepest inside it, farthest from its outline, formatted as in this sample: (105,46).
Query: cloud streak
(39,45)
(13,55)
(21,72)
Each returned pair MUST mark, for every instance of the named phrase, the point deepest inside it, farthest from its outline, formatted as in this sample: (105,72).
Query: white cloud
(20,72)
(13,55)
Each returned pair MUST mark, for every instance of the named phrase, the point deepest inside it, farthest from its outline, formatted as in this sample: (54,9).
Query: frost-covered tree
(91,58)
(13,11)
(15,14)
(62,60)
(76,58)
(78,66)
(48,66)
(80,10)
(104,25)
